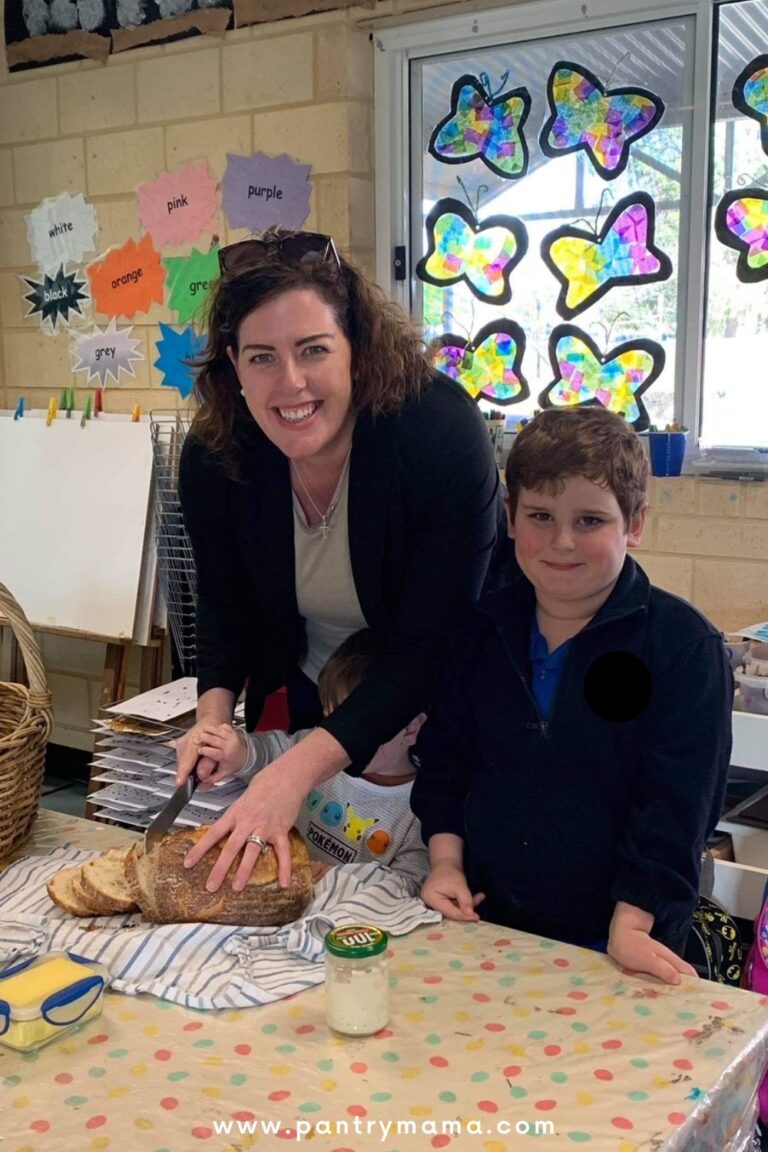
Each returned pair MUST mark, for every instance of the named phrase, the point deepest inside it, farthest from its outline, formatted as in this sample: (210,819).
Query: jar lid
(356,941)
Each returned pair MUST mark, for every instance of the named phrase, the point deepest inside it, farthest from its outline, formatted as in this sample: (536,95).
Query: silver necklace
(325,517)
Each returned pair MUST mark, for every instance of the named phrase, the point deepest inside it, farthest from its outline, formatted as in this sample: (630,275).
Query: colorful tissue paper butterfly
(741,222)
(488,366)
(604,122)
(750,94)
(623,252)
(490,127)
(616,380)
(483,255)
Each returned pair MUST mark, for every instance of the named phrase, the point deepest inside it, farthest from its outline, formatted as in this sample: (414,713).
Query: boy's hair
(347,666)
(590,442)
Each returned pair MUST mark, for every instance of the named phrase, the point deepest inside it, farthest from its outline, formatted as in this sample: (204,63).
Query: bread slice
(66,890)
(170,893)
(105,885)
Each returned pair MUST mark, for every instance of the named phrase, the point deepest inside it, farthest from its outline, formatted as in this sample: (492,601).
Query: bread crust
(66,891)
(170,893)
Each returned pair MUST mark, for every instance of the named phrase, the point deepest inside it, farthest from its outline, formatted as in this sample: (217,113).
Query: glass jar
(356,980)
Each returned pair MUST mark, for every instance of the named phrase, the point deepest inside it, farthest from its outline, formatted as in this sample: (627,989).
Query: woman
(331,481)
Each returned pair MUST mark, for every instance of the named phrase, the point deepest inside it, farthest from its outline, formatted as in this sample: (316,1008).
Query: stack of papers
(753,631)
(135,760)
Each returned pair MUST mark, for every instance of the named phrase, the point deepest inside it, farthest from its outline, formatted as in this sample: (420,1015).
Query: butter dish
(44,998)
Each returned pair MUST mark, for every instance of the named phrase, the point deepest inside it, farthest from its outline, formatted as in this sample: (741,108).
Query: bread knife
(163,822)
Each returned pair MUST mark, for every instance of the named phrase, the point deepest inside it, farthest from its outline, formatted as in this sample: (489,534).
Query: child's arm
(631,945)
(241,754)
(685,736)
(446,889)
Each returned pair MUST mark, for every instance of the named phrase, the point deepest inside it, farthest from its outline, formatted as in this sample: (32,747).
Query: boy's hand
(222,744)
(445,890)
(631,945)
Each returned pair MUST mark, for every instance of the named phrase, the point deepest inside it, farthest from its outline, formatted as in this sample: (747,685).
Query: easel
(80,491)
(115,662)
(114,675)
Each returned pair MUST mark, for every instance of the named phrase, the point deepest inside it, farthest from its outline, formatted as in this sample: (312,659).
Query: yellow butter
(48,997)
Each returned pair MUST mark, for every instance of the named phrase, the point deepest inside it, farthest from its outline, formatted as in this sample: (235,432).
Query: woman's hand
(446,890)
(631,946)
(267,811)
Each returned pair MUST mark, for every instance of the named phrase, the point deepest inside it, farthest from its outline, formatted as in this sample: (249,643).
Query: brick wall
(303,86)
(707,540)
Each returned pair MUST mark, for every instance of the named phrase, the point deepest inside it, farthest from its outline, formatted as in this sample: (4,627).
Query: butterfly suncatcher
(741,222)
(604,122)
(750,94)
(483,255)
(490,127)
(623,252)
(489,364)
(616,380)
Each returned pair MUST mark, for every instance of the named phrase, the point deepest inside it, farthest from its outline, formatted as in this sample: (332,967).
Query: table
(489,1028)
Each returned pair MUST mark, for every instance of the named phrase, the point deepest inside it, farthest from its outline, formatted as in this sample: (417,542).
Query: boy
(348,819)
(576,761)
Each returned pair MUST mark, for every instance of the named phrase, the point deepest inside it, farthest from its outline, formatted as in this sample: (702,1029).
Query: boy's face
(572,545)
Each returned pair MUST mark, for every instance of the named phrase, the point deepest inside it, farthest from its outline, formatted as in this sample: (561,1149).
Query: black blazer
(561,818)
(423,515)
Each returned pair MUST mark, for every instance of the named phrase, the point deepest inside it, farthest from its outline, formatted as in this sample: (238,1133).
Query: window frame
(395,48)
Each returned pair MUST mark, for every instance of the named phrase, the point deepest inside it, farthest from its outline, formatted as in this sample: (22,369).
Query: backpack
(714,946)
(756,980)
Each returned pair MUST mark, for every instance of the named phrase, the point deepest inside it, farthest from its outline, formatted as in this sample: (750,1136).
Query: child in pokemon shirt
(347,819)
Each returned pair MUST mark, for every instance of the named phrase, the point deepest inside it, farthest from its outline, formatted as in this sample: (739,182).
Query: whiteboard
(74,505)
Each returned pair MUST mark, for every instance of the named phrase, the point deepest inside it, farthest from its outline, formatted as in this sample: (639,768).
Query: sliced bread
(65,889)
(105,885)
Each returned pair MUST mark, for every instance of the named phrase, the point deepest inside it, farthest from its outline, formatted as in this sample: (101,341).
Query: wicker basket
(26,720)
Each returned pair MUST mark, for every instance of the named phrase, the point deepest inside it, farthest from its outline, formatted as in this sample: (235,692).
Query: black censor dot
(618,686)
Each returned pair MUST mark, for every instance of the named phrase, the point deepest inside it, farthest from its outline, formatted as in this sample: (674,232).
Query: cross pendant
(324,528)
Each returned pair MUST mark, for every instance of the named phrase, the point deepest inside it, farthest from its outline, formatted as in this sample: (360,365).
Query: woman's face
(294,366)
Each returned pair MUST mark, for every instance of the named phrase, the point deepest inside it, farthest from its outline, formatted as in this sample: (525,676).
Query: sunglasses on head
(248,255)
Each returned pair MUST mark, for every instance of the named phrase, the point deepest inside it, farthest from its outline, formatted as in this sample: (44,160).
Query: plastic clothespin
(19,408)
(52,410)
(98,399)
(86,411)
(70,402)
(136,414)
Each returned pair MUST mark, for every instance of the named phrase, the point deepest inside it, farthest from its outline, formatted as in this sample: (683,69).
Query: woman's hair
(346,667)
(590,442)
(388,361)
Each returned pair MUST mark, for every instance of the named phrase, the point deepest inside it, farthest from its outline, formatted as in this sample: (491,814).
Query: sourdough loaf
(167,892)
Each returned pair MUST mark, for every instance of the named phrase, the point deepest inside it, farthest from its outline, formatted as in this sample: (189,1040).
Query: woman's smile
(294,364)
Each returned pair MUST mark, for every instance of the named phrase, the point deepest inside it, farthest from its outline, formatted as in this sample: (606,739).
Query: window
(667,331)
(734,395)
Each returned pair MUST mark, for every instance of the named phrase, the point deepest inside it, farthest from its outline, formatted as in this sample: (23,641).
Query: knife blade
(163,822)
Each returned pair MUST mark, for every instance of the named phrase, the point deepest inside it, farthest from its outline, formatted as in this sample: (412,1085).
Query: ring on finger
(262,844)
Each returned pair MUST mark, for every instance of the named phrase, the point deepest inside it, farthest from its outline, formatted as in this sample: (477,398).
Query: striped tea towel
(202,965)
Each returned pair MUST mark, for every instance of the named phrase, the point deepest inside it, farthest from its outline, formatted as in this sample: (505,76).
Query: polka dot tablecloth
(497,1041)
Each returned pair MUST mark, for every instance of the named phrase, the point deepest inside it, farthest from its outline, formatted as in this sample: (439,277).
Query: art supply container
(45,998)
(736,648)
(753,691)
(756,660)
(356,980)
(667,452)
